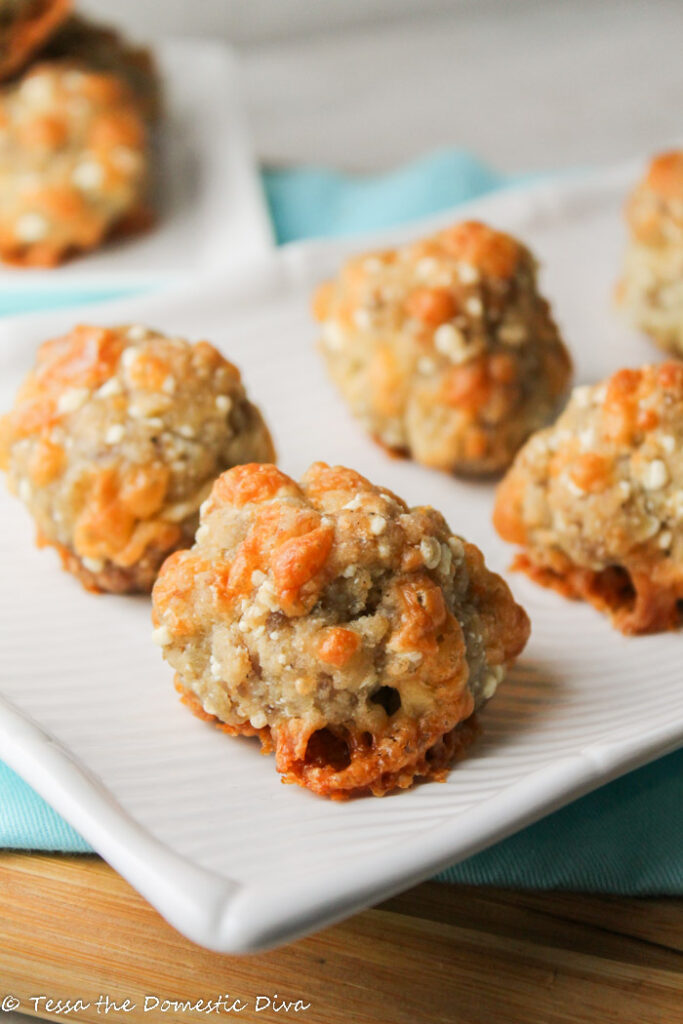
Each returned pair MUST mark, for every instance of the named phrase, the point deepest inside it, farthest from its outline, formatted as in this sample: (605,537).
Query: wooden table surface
(71,928)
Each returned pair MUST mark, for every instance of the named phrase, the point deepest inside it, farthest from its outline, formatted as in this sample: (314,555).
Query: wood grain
(71,928)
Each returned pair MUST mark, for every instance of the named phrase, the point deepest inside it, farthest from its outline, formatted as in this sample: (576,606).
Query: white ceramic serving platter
(211,209)
(200,823)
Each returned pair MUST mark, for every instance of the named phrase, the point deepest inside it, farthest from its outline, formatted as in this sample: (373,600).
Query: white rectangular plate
(198,822)
(211,208)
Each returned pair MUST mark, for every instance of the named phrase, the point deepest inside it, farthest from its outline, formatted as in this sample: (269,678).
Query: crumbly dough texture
(100,48)
(651,287)
(115,440)
(596,501)
(353,635)
(444,348)
(25,25)
(74,160)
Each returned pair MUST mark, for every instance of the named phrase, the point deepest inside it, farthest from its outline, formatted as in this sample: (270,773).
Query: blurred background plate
(212,210)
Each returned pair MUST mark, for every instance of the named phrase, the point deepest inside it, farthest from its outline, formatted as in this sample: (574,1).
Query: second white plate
(212,213)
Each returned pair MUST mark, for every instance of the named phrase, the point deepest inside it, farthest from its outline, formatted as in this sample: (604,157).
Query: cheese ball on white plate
(114,441)
(74,164)
(444,348)
(596,501)
(353,635)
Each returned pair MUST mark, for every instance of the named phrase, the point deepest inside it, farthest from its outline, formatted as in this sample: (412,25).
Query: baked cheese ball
(98,47)
(114,441)
(444,348)
(25,25)
(651,287)
(355,636)
(73,164)
(596,501)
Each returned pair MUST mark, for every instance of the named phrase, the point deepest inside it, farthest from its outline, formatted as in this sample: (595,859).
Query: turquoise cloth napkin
(626,837)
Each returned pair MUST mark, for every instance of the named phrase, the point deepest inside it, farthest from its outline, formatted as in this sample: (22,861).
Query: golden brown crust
(191,701)
(635,604)
(115,579)
(114,441)
(359,633)
(343,764)
(597,500)
(339,766)
(444,348)
(23,35)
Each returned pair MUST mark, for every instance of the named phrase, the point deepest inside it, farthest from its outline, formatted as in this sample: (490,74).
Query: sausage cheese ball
(353,635)
(444,349)
(100,48)
(73,163)
(651,287)
(24,26)
(114,441)
(596,501)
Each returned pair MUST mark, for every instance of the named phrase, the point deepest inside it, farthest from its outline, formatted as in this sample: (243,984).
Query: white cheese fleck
(162,636)
(457,547)
(109,388)
(655,475)
(450,341)
(354,504)
(72,400)
(38,88)
(474,306)
(426,268)
(468,273)
(362,318)
(31,227)
(88,175)
(115,433)
(137,332)
(581,396)
(574,488)
(25,490)
(93,564)
(378,524)
(430,549)
(333,335)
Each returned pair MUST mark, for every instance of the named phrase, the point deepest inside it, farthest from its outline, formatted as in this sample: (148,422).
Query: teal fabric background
(627,837)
